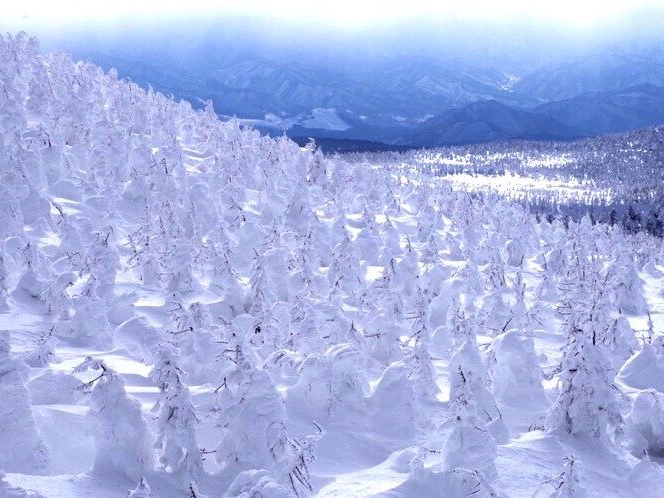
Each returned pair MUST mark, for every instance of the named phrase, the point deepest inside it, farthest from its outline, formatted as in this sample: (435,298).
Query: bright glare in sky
(339,12)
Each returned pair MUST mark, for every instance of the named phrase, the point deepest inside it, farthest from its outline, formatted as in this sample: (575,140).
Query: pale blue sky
(338,12)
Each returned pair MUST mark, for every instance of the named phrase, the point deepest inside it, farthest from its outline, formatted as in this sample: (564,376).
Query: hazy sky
(340,13)
(512,32)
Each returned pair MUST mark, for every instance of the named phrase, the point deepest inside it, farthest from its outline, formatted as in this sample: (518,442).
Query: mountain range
(411,101)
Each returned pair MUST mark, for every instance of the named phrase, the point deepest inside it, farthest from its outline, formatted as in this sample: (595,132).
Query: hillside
(489,121)
(191,309)
(597,113)
(599,72)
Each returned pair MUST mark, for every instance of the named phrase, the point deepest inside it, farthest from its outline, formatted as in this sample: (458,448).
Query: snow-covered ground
(319,118)
(190,309)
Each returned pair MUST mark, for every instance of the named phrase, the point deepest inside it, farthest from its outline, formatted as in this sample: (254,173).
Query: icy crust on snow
(188,308)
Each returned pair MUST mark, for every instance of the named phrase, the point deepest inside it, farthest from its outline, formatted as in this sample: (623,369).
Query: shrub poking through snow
(568,484)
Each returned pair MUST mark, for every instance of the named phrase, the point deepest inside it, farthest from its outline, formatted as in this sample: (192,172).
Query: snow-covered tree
(516,376)
(346,272)
(418,356)
(102,261)
(21,446)
(44,351)
(142,490)
(468,443)
(176,420)
(253,420)
(123,443)
(586,402)
(568,484)
(3,284)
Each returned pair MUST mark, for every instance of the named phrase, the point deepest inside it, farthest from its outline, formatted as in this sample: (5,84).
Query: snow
(326,119)
(318,118)
(188,308)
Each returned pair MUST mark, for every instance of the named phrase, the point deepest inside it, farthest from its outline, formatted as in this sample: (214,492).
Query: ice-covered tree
(645,423)
(586,402)
(56,296)
(123,443)
(468,443)
(3,284)
(262,288)
(142,490)
(21,446)
(89,325)
(346,272)
(467,371)
(176,420)
(627,285)
(391,240)
(568,484)
(252,418)
(514,370)
(331,385)
(418,356)
(430,253)
(257,483)
(43,352)
(101,261)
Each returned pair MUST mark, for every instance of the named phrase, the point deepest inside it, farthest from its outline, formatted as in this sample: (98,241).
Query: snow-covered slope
(188,308)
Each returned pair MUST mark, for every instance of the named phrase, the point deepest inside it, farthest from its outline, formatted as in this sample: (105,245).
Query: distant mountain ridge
(596,73)
(612,111)
(489,121)
(593,113)
(417,101)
